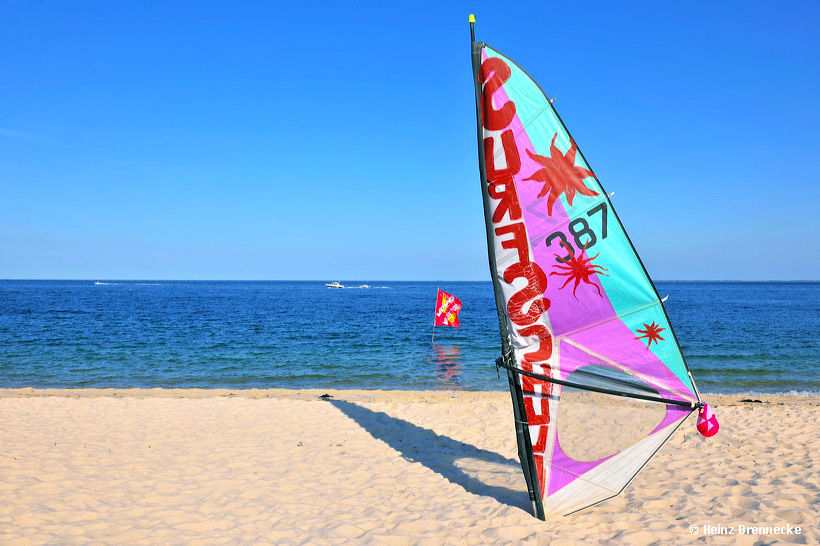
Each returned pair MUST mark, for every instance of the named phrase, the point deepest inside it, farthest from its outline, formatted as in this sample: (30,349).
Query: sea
(737,337)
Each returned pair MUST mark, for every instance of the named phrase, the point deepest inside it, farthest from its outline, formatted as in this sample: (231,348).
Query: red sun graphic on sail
(578,268)
(652,333)
(560,175)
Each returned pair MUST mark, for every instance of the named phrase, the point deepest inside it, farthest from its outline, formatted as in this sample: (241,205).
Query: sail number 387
(581,233)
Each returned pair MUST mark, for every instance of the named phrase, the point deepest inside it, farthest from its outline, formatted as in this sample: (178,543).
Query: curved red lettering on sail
(494,72)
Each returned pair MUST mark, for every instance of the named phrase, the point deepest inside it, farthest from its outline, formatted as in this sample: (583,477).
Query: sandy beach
(391,467)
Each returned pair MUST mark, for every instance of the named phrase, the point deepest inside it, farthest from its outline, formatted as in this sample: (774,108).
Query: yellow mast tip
(472,18)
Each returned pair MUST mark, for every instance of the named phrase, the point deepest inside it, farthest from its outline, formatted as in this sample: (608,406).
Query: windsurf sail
(598,379)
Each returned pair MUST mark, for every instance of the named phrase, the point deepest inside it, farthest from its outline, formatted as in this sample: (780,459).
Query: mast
(522,432)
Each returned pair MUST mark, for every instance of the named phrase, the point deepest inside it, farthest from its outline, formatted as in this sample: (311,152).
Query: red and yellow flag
(447,308)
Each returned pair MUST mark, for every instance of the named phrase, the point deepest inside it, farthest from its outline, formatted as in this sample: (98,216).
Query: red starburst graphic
(652,333)
(560,175)
(578,268)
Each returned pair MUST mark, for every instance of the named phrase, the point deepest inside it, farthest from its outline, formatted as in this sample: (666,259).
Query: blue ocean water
(737,337)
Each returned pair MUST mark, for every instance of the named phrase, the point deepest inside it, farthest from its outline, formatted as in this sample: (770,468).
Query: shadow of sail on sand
(478,471)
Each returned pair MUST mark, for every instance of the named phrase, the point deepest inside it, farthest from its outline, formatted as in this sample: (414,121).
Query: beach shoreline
(352,394)
(396,467)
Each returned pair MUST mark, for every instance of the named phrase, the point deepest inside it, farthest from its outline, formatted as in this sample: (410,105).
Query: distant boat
(335,284)
(365,286)
(98,282)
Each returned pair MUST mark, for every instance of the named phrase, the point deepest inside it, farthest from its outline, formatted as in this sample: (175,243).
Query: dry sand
(273,466)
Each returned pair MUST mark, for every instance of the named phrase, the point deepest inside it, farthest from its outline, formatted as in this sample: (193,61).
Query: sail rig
(597,377)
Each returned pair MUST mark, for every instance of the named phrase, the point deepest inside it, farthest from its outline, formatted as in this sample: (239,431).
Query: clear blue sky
(269,140)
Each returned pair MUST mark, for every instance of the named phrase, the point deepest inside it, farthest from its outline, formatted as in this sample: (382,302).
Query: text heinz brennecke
(707,529)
